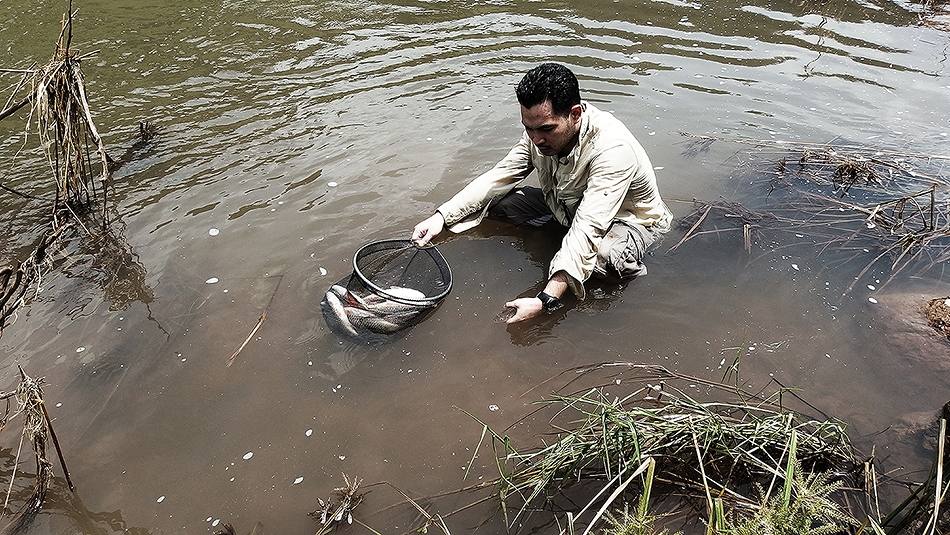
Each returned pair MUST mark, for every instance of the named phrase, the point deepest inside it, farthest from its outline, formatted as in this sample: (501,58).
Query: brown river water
(302,131)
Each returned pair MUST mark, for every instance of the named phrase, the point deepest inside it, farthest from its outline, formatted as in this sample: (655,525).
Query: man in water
(596,180)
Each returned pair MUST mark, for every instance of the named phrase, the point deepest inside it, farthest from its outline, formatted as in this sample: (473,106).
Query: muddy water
(301,131)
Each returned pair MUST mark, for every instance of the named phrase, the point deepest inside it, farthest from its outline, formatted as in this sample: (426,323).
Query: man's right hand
(428,229)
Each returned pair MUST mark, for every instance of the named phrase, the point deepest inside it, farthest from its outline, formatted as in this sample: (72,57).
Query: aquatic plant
(705,448)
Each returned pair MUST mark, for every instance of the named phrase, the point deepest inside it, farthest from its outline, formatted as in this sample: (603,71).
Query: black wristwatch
(549,302)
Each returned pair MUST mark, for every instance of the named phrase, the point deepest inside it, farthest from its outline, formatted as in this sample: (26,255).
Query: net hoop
(432,251)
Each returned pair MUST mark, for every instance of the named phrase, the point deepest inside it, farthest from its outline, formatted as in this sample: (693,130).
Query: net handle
(433,252)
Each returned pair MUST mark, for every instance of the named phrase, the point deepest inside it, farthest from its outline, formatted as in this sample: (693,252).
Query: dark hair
(549,81)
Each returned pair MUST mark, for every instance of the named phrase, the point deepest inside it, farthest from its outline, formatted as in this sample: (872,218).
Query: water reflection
(59,506)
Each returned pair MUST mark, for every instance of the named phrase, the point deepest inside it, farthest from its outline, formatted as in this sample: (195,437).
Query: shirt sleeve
(611,174)
(496,182)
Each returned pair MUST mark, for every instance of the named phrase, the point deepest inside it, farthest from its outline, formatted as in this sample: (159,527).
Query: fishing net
(394,285)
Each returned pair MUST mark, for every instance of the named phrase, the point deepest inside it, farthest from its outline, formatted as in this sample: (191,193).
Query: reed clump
(76,193)
(889,208)
(38,432)
(702,449)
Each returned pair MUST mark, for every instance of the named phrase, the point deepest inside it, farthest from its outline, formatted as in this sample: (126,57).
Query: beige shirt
(606,177)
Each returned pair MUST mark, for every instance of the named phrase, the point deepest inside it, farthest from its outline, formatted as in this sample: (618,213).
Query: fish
(370,321)
(349,313)
(405,293)
(335,313)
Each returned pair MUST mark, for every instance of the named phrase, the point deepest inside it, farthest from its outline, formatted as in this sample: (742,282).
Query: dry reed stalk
(62,118)
(338,509)
(38,431)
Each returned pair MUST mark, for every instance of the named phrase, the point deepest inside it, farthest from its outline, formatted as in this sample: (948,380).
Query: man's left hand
(525,308)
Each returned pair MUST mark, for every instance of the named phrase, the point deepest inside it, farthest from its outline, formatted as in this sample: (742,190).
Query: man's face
(554,135)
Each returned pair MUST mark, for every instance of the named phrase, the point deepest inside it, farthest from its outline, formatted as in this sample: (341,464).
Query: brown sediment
(938,315)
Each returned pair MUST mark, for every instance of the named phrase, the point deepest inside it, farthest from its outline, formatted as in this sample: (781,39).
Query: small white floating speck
(212,280)
(160,499)
(795,267)
(80,349)
(209,519)
(323,271)
(332,184)
(213,232)
(309,432)
(248,455)
(493,407)
(659,168)
(216,521)
(298,481)
(871,287)
(342,457)
(58,405)
(873,300)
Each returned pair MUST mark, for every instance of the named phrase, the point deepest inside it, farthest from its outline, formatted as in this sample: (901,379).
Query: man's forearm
(557,285)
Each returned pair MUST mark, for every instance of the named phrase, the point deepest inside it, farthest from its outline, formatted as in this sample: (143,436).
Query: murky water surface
(302,131)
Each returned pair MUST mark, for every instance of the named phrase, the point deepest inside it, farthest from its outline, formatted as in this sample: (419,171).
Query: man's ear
(576,111)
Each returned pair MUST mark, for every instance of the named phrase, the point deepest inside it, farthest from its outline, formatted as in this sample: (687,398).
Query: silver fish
(405,293)
(336,314)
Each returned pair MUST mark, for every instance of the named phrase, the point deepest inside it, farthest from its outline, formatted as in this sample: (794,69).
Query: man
(596,180)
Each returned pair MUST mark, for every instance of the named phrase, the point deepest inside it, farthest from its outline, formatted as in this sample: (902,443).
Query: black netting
(394,285)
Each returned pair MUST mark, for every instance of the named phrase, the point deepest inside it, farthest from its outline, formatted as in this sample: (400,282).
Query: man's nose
(536,139)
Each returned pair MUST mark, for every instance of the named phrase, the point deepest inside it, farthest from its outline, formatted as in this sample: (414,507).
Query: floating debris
(248,455)
(212,280)
(795,267)
(213,232)
(298,481)
(160,499)
(872,300)
(332,184)
(309,432)
(871,287)
(323,271)
(80,349)
(493,407)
